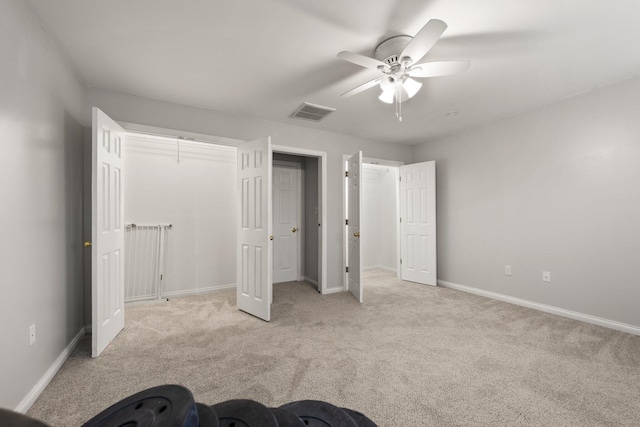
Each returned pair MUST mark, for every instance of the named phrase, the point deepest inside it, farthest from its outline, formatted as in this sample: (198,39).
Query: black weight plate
(163,406)
(286,418)
(360,419)
(315,413)
(207,416)
(244,413)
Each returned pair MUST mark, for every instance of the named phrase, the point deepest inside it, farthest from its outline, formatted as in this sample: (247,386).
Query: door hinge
(400,260)
(346,222)
(347,269)
(161,277)
(346,173)
(400,178)
(400,219)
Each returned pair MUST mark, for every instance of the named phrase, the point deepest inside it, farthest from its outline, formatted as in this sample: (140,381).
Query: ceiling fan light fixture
(387,96)
(398,59)
(412,87)
(389,83)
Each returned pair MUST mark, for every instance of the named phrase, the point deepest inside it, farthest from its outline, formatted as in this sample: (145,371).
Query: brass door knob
(87,244)
(293,230)
(356,234)
(270,237)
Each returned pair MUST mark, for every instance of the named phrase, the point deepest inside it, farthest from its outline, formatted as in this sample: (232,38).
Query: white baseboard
(197,291)
(35,392)
(313,282)
(334,290)
(378,267)
(612,324)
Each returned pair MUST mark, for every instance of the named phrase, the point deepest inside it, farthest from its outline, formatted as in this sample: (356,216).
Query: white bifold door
(254,262)
(354,218)
(107,232)
(418,223)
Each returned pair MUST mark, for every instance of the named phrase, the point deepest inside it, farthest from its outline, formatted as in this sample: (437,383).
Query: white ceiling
(263,58)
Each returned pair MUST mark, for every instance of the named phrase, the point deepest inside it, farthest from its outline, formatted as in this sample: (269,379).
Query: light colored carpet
(411,355)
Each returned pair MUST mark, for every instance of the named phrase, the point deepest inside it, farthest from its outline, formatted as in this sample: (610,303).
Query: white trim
(35,392)
(188,149)
(310,280)
(379,267)
(146,301)
(198,291)
(611,324)
(345,246)
(134,128)
(391,269)
(334,290)
(382,162)
(376,163)
(322,158)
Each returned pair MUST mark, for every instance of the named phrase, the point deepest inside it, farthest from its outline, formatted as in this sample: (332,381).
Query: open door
(254,262)
(354,218)
(418,262)
(107,232)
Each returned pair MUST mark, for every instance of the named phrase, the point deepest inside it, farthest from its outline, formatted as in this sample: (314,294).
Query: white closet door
(286,223)
(354,216)
(418,223)
(254,262)
(107,232)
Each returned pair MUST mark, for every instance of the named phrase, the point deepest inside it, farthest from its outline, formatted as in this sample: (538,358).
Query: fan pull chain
(399,105)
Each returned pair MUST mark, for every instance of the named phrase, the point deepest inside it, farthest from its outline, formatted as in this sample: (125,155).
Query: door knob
(87,244)
(270,237)
(293,230)
(356,234)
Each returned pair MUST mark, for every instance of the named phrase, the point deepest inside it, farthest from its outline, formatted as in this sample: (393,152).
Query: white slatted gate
(145,256)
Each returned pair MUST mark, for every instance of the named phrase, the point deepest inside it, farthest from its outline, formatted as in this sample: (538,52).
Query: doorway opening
(379,237)
(299,189)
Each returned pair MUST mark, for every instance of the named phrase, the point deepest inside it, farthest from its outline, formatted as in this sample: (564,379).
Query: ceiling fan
(398,59)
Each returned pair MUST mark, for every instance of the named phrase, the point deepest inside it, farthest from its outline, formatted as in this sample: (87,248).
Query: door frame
(322,182)
(300,217)
(345,239)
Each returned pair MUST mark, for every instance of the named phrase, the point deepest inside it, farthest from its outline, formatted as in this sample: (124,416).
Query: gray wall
(556,189)
(379,217)
(198,196)
(132,109)
(41,215)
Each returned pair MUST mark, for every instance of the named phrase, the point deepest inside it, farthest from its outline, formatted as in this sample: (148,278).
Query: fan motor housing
(389,50)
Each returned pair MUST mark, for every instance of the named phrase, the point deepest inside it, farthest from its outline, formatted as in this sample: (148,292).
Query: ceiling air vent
(312,112)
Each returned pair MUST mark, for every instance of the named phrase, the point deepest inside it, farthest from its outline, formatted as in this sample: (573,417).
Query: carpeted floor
(411,355)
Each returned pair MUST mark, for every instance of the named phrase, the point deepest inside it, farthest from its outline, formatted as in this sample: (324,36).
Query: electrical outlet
(507,270)
(32,334)
(546,276)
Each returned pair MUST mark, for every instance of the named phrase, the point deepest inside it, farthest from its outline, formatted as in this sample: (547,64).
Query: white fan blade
(439,68)
(424,40)
(362,87)
(361,60)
